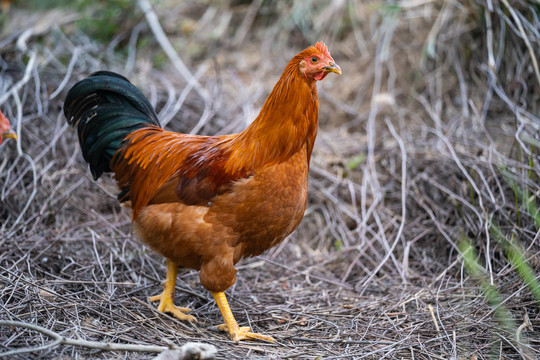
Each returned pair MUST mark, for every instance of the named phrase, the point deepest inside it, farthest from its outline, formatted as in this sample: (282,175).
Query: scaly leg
(166,303)
(236,332)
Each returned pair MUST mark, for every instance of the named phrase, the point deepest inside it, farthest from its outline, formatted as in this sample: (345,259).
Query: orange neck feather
(287,122)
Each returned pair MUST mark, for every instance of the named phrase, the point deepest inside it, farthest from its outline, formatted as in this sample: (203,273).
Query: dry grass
(436,98)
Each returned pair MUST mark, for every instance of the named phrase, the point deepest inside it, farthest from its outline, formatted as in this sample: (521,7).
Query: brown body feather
(255,214)
(205,202)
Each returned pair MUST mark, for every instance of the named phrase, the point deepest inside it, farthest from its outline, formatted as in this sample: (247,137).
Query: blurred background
(421,236)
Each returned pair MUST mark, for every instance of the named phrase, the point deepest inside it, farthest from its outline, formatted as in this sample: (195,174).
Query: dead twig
(166,45)
(186,351)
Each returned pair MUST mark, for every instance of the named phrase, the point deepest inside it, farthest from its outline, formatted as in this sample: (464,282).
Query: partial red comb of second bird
(5,129)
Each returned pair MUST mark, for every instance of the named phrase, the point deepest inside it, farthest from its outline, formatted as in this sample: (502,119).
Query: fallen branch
(186,352)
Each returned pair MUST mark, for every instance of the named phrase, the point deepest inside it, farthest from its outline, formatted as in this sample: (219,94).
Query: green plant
(518,260)
(502,315)
(102,21)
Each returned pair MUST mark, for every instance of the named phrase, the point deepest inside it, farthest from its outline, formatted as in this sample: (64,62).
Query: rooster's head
(316,62)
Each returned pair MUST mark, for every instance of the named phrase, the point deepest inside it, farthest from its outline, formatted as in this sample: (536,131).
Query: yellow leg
(165,299)
(236,332)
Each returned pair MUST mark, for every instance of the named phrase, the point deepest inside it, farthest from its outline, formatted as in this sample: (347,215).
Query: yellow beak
(332,67)
(9,135)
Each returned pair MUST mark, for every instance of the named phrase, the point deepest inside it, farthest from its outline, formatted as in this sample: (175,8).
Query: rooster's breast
(260,211)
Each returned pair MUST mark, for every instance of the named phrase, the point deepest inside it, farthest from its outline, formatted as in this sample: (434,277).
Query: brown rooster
(205,202)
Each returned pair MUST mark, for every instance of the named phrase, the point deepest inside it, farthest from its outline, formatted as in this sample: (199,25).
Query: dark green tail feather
(106,108)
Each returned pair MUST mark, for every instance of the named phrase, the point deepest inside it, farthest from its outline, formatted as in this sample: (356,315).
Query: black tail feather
(106,108)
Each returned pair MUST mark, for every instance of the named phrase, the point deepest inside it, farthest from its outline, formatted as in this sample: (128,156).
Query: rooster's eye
(314,59)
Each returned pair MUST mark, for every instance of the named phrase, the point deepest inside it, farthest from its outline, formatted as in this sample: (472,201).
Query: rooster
(5,129)
(205,202)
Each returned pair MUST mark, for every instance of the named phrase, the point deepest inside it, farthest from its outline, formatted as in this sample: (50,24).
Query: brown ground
(415,139)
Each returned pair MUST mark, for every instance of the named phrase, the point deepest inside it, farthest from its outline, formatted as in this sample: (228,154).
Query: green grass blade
(518,260)
(492,295)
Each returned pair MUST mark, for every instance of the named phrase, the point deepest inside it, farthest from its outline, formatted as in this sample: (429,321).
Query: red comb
(3,120)
(323,48)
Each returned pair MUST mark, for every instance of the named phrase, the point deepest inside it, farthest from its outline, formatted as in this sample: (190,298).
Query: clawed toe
(166,306)
(244,333)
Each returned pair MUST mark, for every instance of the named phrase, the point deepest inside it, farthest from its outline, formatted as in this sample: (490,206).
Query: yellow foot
(166,306)
(244,333)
